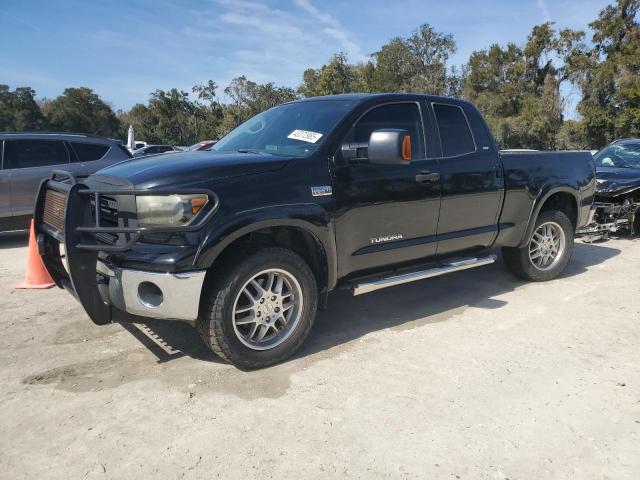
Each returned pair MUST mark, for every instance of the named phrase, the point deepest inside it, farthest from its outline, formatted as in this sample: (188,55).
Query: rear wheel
(548,251)
(258,311)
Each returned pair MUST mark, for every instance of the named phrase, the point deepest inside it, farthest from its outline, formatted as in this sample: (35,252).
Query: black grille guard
(78,213)
(81,227)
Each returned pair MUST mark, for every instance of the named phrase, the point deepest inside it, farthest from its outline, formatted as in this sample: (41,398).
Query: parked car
(28,158)
(360,192)
(617,202)
(154,150)
(203,145)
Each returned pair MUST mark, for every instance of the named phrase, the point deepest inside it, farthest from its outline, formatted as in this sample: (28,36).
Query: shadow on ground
(402,307)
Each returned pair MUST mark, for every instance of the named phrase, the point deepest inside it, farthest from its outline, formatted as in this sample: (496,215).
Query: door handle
(427,177)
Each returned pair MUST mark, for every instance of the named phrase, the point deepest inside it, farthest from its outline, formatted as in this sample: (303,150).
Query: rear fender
(545,193)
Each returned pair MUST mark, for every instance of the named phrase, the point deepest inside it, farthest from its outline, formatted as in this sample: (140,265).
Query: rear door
(88,157)
(6,216)
(30,161)
(471,179)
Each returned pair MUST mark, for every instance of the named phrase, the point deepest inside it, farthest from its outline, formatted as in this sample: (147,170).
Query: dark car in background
(617,200)
(27,158)
(153,150)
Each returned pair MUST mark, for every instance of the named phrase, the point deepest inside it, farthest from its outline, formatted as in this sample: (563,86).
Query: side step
(448,267)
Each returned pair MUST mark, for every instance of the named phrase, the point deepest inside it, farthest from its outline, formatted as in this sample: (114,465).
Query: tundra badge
(321,191)
(387,238)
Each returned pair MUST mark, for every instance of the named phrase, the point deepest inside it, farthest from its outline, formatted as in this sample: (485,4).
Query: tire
(525,266)
(227,313)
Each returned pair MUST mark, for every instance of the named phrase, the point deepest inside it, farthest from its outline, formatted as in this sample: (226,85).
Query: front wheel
(548,251)
(258,307)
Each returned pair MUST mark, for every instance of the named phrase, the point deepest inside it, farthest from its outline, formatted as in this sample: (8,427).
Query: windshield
(293,129)
(621,156)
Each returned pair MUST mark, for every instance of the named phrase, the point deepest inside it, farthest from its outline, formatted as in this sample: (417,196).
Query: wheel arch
(313,241)
(562,198)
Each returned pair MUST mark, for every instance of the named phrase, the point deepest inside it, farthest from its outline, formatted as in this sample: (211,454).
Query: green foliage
(516,87)
(81,110)
(608,74)
(337,76)
(19,110)
(414,64)
(248,99)
(572,136)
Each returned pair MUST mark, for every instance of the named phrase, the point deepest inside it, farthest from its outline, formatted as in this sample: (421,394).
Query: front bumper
(173,296)
(72,237)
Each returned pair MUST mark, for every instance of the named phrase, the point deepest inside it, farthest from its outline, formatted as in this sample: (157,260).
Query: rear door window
(455,135)
(34,153)
(89,152)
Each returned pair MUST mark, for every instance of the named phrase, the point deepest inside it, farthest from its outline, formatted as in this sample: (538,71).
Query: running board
(444,268)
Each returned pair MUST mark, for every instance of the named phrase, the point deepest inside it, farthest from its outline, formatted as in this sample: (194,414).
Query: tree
(518,89)
(249,98)
(415,64)
(608,75)
(208,111)
(19,110)
(81,110)
(337,76)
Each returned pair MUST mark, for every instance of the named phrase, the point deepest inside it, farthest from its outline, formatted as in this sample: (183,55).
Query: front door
(31,161)
(385,214)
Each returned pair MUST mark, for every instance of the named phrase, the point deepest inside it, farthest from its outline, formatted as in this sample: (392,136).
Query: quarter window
(455,135)
(34,153)
(397,115)
(89,152)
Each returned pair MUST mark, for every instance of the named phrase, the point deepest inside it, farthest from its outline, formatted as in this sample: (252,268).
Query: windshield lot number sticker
(305,136)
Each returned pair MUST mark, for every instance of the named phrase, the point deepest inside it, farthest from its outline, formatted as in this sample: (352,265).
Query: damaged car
(617,201)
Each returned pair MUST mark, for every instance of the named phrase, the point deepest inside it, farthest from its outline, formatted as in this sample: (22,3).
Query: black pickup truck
(351,191)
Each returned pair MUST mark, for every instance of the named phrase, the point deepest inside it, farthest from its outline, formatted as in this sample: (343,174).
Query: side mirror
(390,146)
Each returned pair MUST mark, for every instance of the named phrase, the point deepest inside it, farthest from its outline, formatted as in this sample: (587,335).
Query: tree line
(518,88)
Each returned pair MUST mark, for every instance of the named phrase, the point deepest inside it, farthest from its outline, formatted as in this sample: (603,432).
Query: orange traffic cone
(37,275)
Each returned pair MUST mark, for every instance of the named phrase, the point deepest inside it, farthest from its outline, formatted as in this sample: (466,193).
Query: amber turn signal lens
(406,148)
(197,203)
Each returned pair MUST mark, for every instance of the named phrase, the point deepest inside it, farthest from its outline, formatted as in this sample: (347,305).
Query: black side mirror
(390,146)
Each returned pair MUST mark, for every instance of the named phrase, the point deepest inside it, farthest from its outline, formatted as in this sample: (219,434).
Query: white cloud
(334,29)
(544,9)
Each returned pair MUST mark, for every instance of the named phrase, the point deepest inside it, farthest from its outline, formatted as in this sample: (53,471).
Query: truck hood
(615,181)
(192,168)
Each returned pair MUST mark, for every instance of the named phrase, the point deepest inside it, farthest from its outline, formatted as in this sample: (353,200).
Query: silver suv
(27,158)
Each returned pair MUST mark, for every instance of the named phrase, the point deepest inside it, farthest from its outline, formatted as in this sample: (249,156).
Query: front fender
(309,217)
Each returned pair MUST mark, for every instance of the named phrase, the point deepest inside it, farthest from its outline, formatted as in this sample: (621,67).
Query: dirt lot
(474,375)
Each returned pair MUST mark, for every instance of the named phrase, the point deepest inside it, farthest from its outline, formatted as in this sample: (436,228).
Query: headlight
(169,210)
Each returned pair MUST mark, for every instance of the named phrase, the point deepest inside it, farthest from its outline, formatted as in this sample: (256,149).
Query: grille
(54,205)
(108,217)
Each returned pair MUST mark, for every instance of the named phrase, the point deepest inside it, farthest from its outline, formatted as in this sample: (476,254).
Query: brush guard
(78,230)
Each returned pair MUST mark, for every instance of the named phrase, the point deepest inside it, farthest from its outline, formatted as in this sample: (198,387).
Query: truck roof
(360,97)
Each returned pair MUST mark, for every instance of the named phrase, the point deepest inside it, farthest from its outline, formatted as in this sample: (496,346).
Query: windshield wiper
(248,150)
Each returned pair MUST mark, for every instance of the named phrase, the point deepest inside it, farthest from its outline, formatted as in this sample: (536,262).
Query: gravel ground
(473,375)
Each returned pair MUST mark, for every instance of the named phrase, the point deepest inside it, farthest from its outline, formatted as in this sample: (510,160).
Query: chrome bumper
(150,294)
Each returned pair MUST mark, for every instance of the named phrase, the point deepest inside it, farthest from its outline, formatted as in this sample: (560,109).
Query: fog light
(149,294)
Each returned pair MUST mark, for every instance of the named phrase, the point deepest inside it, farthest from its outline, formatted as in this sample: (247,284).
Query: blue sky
(126,49)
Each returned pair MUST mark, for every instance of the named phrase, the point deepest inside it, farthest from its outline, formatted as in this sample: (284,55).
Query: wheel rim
(547,246)
(267,309)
